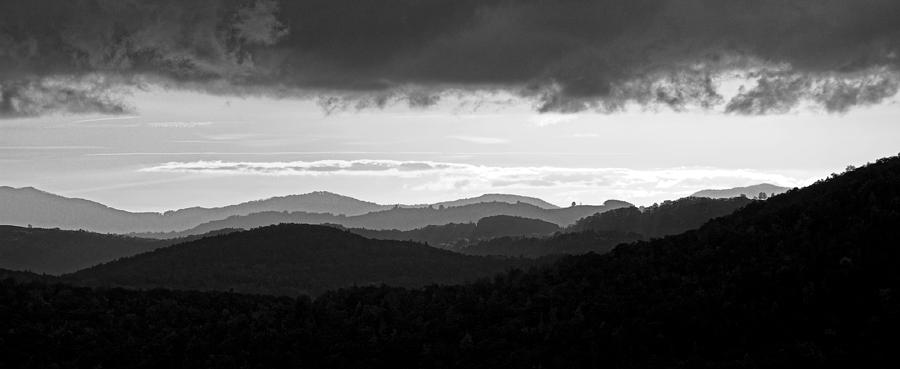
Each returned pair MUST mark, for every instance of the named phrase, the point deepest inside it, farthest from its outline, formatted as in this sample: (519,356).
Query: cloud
(586,135)
(444,176)
(561,56)
(103,119)
(42,96)
(177,124)
(481,140)
(550,119)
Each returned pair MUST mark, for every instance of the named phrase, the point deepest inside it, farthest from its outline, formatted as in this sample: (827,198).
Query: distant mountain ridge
(30,206)
(404,219)
(497,197)
(748,191)
(601,232)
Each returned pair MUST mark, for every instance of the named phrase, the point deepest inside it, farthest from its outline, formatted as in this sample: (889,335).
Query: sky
(190,149)
(158,105)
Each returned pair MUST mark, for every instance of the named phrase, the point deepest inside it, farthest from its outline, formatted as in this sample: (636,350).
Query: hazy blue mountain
(404,219)
(55,251)
(30,206)
(749,191)
(292,259)
(24,206)
(497,197)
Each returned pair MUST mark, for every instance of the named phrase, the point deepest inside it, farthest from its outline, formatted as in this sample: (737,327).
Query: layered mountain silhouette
(806,279)
(55,251)
(29,206)
(600,233)
(403,219)
(749,191)
(668,218)
(292,259)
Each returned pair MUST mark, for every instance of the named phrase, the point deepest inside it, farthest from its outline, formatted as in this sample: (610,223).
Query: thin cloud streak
(481,140)
(444,176)
(105,119)
(63,147)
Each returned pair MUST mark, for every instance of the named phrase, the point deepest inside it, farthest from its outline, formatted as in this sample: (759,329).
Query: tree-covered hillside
(55,251)
(668,218)
(455,236)
(601,232)
(291,259)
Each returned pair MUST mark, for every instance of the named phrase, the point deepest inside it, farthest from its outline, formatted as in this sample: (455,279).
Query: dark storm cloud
(67,95)
(565,55)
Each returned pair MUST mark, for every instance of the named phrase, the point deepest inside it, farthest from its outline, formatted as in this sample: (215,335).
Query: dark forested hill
(572,243)
(405,219)
(457,235)
(55,251)
(808,279)
(291,259)
(601,232)
(671,217)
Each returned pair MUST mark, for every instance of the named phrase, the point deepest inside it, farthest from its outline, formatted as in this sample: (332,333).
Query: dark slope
(55,251)
(671,217)
(456,235)
(601,232)
(404,219)
(573,243)
(24,206)
(806,280)
(291,259)
(24,276)
(445,236)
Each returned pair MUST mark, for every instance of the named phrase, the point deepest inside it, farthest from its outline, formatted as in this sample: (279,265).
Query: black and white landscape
(449,184)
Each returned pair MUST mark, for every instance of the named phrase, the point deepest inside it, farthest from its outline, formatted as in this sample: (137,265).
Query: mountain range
(403,219)
(808,278)
(56,251)
(601,232)
(29,206)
